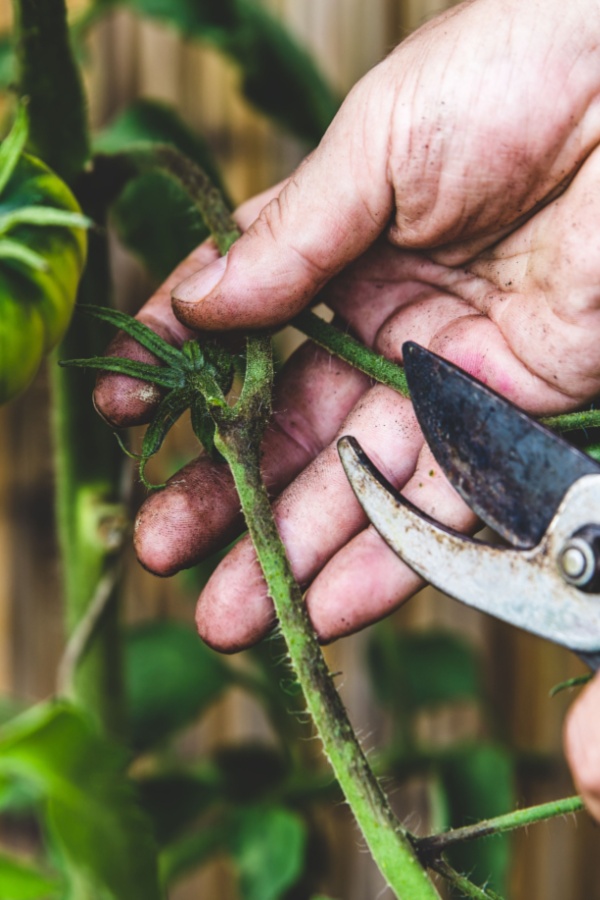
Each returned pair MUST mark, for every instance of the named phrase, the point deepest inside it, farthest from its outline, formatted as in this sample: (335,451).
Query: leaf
(268,846)
(20,881)
(479,784)
(193,850)
(160,241)
(422,669)
(148,121)
(137,330)
(278,76)
(174,800)
(249,772)
(92,811)
(7,62)
(171,678)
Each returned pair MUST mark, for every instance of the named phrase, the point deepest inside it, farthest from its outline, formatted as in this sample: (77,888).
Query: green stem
(50,79)
(588,418)
(351,351)
(238,436)
(461,882)
(87,460)
(436,844)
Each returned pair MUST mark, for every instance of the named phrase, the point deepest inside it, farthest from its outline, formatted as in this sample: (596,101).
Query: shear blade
(512,471)
(522,587)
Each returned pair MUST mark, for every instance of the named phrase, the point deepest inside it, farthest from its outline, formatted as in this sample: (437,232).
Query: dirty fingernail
(200,284)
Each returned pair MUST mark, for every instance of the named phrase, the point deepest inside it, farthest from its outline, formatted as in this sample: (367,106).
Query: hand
(453,202)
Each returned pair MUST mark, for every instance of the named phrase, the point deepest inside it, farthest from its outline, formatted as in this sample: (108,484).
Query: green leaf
(422,669)
(268,846)
(137,330)
(7,62)
(12,146)
(171,678)
(234,764)
(161,241)
(92,811)
(174,799)
(148,121)
(193,850)
(280,77)
(479,783)
(277,75)
(20,881)
(170,409)
(49,77)
(155,374)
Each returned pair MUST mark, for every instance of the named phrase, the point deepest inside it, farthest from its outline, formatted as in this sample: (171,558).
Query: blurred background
(496,735)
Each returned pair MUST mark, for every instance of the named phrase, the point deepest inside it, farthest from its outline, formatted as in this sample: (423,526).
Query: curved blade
(511,470)
(522,587)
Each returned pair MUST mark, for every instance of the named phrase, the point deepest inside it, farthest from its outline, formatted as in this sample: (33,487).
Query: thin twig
(85,630)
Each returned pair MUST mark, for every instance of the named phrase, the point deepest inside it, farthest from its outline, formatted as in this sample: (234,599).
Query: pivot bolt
(579,559)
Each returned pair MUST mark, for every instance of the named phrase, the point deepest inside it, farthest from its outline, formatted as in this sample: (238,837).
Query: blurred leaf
(20,881)
(171,677)
(278,76)
(92,811)
(149,121)
(249,771)
(422,669)
(156,220)
(174,800)
(479,784)
(17,797)
(7,62)
(193,850)
(268,846)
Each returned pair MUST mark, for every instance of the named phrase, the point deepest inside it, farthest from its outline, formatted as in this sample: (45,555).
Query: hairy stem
(588,418)
(238,437)
(436,844)
(462,884)
(351,351)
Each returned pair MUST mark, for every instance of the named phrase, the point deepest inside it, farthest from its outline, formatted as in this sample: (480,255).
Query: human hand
(452,202)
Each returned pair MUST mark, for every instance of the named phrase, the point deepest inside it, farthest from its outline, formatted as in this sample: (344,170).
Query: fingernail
(200,284)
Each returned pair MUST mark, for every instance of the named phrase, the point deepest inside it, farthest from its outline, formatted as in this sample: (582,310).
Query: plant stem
(87,461)
(50,79)
(351,351)
(239,432)
(461,882)
(588,418)
(438,843)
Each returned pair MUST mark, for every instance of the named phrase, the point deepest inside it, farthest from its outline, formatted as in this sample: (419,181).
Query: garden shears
(536,491)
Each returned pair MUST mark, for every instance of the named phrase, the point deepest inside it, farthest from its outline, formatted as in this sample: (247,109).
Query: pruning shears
(536,491)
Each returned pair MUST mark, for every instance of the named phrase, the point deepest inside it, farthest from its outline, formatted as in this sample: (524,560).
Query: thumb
(328,213)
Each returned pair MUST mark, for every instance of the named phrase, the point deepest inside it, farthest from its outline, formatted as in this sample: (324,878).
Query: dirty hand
(454,201)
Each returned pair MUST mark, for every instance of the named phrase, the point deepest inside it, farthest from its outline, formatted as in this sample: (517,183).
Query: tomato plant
(42,255)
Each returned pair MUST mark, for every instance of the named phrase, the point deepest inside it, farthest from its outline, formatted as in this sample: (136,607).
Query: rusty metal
(510,470)
(524,587)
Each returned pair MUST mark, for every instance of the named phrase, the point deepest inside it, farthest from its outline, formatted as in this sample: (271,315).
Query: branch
(436,844)
(461,882)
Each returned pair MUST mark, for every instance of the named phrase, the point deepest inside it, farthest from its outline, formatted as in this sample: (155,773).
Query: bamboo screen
(129,59)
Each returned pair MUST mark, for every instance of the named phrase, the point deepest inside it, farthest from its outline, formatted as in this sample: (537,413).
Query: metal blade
(522,587)
(511,470)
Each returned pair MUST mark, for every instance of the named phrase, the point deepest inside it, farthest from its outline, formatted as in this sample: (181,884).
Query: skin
(452,202)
